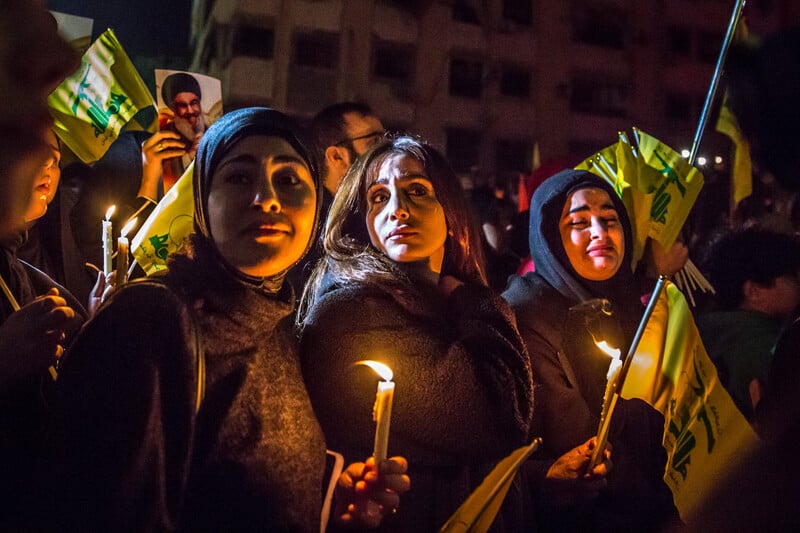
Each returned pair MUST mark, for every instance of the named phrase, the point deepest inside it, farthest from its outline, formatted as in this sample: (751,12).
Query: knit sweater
(129,449)
(463,389)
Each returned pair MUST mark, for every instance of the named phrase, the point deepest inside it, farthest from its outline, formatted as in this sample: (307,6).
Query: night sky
(148,28)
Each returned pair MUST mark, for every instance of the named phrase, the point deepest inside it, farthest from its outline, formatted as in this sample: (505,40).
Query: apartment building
(485,80)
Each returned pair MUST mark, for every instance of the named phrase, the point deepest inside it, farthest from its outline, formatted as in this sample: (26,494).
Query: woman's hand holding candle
(366,492)
(571,480)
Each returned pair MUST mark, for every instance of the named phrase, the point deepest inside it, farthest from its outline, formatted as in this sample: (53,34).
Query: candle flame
(382,370)
(614,353)
(129,225)
(110,211)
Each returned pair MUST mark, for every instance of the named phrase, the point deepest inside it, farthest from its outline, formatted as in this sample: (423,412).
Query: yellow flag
(704,433)
(742,170)
(167,227)
(675,190)
(91,107)
(478,512)
(657,186)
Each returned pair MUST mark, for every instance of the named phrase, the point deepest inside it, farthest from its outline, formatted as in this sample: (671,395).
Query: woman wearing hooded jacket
(181,405)
(583,291)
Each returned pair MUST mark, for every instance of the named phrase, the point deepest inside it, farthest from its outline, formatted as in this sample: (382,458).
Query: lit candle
(382,410)
(609,399)
(122,253)
(108,247)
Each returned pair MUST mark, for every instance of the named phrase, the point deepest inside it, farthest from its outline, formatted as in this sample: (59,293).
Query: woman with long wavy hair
(403,282)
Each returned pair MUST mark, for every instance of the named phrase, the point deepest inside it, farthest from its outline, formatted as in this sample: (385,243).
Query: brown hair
(349,254)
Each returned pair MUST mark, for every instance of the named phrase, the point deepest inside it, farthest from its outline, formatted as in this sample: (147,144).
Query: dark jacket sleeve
(463,387)
(118,441)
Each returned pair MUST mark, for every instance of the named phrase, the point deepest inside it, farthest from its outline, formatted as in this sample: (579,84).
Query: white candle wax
(382,413)
(108,248)
(122,261)
(611,386)
(609,401)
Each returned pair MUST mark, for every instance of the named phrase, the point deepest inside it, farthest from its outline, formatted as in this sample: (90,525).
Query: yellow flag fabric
(742,169)
(167,227)
(478,512)
(91,107)
(674,192)
(656,184)
(704,432)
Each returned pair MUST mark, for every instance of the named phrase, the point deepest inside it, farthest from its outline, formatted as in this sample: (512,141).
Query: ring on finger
(160,146)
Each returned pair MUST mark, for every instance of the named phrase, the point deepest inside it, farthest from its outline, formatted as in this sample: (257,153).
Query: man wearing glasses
(342,132)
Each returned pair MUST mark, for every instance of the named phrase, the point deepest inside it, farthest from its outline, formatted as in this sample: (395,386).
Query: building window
(253,41)
(599,97)
(393,61)
(678,107)
(513,155)
(466,78)
(515,82)
(519,11)
(599,25)
(466,11)
(318,49)
(463,149)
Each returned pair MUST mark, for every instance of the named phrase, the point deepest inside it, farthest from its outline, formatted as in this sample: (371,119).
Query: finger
(394,465)
(396,482)
(52,292)
(355,470)
(163,135)
(168,153)
(56,319)
(159,137)
(42,305)
(101,281)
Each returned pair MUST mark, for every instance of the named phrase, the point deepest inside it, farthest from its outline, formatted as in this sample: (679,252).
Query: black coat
(570,375)
(23,404)
(463,390)
(559,319)
(128,450)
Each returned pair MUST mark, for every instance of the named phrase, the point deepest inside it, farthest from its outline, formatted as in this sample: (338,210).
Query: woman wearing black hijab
(182,405)
(583,291)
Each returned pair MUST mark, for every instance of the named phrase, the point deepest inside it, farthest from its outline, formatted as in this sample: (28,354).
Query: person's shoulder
(529,290)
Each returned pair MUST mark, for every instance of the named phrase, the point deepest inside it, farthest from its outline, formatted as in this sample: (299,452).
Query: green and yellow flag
(167,227)
(705,435)
(656,184)
(478,512)
(91,107)
(742,169)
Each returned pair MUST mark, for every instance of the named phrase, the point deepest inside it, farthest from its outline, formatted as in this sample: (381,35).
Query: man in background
(339,134)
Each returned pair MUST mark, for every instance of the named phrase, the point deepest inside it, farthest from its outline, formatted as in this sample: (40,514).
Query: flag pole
(712,91)
(602,434)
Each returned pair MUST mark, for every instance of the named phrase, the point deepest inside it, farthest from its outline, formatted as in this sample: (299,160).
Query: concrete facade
(483,79)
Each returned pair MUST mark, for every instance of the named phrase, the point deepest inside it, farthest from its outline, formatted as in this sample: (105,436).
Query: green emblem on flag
(92,106)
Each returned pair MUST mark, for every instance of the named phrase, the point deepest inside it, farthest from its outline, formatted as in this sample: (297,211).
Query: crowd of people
(225,394)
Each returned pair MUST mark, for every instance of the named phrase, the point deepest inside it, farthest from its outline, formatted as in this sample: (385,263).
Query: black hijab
(216,142)
(547,250)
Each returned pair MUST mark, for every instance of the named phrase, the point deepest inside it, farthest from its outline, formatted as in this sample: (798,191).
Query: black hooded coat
(560,316)
(181,405)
